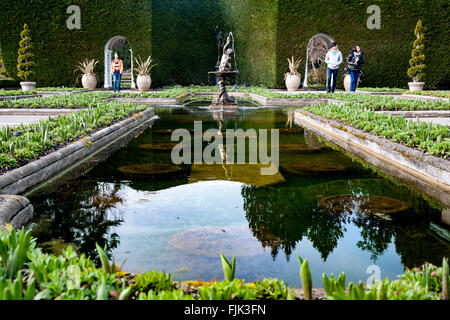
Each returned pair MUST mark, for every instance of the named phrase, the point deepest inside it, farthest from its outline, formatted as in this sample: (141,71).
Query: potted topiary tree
(293,77)
(25,63)
(87,74)
(416,71)
(144,81)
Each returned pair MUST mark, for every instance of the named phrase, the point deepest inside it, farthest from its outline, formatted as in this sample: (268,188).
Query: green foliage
(55,132)
(26,273)
(299,21)
(305,276)
(153,281)
(13,252)
(165,295)
(11,93)
(179,35)
(8,83)
(25,60)
(57,49)
(3,72)
(445,280)
(417,69)
(431,138)
(228,268)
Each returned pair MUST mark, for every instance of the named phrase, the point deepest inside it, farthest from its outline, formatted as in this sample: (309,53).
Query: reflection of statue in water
(225,63)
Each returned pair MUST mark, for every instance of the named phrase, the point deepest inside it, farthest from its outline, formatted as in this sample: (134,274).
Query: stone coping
(262,100)
(427,174)
(15,211)
(21,179)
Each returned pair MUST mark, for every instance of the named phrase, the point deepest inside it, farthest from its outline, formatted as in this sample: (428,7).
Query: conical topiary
(416,72)
(25,63)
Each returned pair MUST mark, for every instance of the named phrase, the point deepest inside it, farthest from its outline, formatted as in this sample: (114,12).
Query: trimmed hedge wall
(254,25)
(183,40)
(180,36)
(387,51)
(57,49)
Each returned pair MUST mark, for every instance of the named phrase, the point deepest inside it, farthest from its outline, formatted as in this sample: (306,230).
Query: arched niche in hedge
(108,60)
(316,51)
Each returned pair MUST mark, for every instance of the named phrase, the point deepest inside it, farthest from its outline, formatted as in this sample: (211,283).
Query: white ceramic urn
(292,82)
(144,82)
(28,86)
(89,81)
(415,86)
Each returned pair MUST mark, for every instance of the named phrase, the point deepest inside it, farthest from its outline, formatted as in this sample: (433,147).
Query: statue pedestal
(223,101)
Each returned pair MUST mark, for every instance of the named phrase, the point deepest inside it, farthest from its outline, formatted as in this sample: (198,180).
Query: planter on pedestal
(28,86)
(416,86)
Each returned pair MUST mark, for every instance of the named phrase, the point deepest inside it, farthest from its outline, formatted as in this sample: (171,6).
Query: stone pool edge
(21,179)
(427,174)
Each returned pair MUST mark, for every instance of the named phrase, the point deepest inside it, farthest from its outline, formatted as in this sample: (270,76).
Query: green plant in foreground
(153,281)
(445,280)
(228,268)
(305,276)
(25,63)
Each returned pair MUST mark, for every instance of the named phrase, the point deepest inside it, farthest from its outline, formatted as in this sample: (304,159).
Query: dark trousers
(117,76)
(331,86)
(354,74)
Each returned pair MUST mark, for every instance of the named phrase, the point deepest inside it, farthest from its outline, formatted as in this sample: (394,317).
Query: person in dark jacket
(355,61)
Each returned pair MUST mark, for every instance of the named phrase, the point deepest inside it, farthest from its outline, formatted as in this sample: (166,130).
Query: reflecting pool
(323,205)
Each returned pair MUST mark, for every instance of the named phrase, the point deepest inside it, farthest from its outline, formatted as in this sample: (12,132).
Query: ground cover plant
(430,138)
(11,93)
(27,273)
(20,145)
(72,101)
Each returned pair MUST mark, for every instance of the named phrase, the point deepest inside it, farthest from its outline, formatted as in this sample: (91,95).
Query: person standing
(355,61)
(117,71)
(333,60)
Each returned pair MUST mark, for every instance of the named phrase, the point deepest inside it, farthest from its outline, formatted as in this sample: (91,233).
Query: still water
(323,205)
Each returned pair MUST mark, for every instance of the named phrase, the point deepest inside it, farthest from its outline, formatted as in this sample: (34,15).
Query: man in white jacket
(333,61)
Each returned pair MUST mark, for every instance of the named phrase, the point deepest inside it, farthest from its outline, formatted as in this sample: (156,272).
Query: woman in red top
(117,70)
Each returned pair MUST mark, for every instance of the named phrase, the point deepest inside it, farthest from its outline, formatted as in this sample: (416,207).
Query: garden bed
(30,274)
(55,151)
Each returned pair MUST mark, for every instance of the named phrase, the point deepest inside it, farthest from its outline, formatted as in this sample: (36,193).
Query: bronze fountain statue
(223,100)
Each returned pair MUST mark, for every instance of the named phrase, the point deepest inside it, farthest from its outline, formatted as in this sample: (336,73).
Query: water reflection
(177,221)
(81,213)
(292,214)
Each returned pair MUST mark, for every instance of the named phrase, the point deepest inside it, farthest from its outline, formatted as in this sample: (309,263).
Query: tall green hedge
(387,51)
(180,36)
(183,40)
(254,25)
(290,24)
(57,49)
